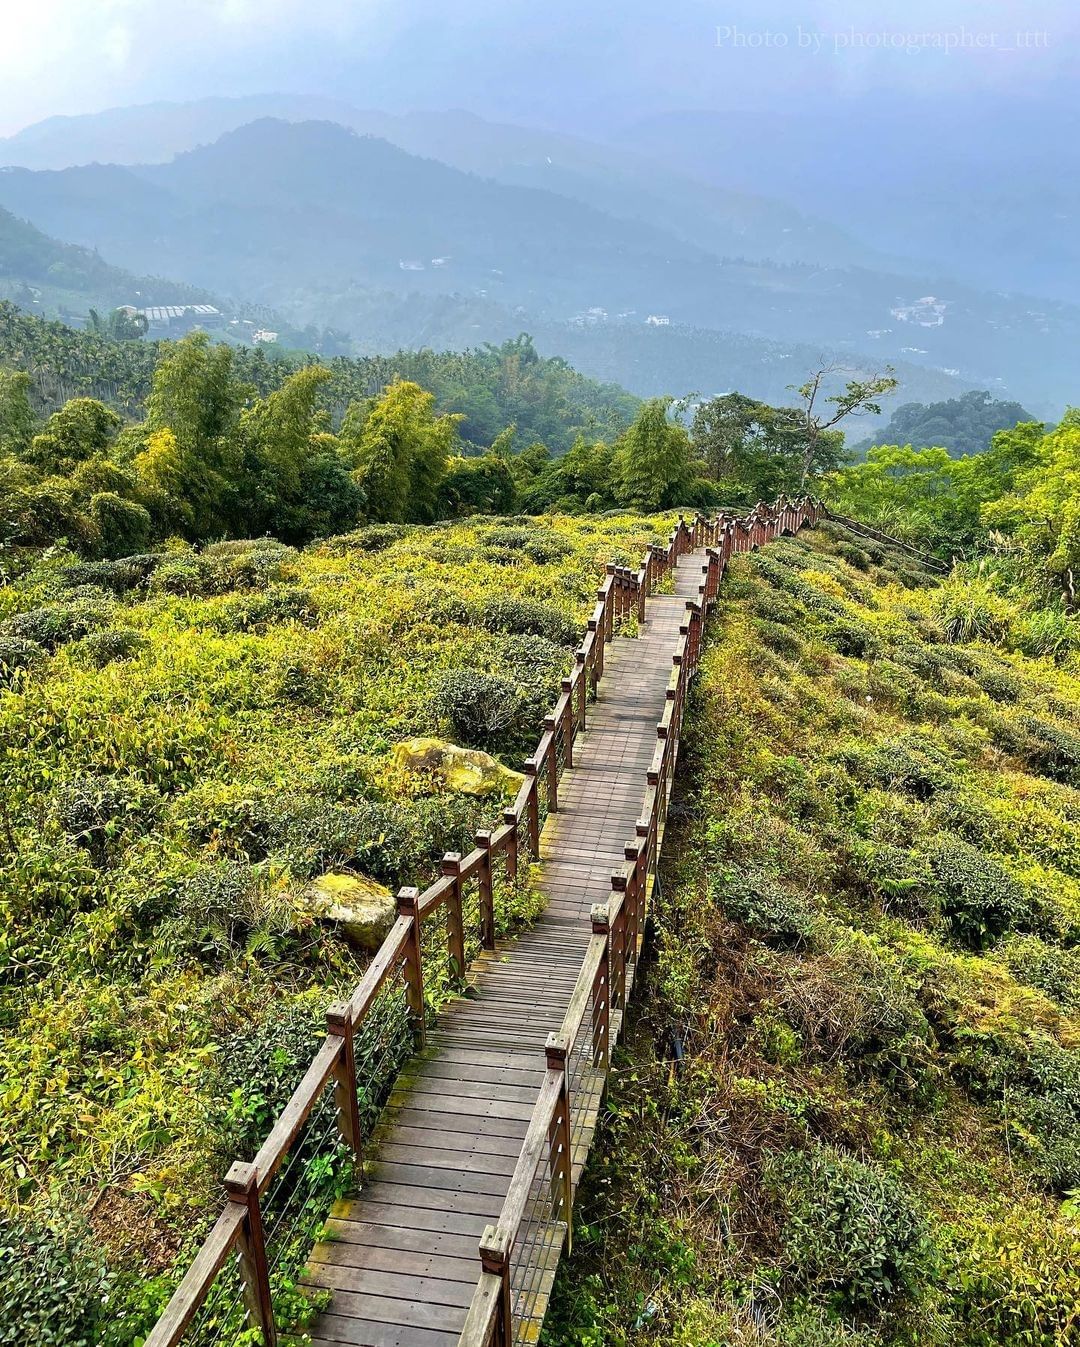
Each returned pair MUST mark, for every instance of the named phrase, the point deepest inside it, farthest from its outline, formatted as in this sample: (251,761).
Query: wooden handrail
(198,1279)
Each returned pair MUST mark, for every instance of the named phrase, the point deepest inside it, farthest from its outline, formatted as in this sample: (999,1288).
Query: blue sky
(584,65)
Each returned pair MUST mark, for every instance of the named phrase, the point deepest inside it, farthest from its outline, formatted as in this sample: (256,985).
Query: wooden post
(551,764)
(618,973)
(511,821)
(455,922)
(632,852)
(608,596)
(408,905)
(583,689)
(643,830)
(339,1023)
(242,1185)
(559,1154)
(533,808)
(487,891)
(495,1258)
(567,686)
(601,1010)
(598,650)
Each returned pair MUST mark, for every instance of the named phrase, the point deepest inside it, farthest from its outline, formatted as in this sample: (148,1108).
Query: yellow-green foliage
(197,735)
(866,953)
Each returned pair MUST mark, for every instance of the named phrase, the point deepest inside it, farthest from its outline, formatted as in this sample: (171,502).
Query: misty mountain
(303,216)
(31,260)
(609,177)
(973,182)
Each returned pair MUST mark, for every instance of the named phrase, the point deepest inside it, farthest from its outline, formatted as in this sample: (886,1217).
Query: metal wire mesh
(382,1044)
(536,1253)
(223,1315)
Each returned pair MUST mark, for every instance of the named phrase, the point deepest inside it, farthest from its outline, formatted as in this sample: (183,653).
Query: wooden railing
(516,1263)
(457,911)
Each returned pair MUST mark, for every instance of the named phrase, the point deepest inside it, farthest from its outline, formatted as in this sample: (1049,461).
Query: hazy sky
(581,65)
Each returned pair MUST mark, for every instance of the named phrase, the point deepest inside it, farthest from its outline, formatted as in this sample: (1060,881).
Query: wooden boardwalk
(401,1259)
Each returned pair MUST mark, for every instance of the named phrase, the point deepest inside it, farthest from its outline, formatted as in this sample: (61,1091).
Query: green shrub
(774,607)
(53,626)
(972,610)
(852,1235)
(186,575)
(779,638)
(1049,968)
(369,538)
(483,710)
(854,556)
(18,657)
(529,616)
(395,842)
(999,685)
(1055,751)
(106,647)
(256,612)
(255,1073)
(980,900)
(1047,632)
(911,763)
(847,636)
(252,564)
(102,813)
(120,576)
(773,913)
(54,1286)
(1044,1114)
(123,526)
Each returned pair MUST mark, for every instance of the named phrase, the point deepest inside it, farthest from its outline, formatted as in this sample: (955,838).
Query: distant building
(929,311)
(658,320)
(439,261)
(171,319)
(410,266)
(264,338)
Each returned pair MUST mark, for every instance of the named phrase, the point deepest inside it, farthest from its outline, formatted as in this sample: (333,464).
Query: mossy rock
(469,771)
(363,909)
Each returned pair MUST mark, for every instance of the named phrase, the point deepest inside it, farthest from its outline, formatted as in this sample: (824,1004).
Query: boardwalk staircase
(462,1081)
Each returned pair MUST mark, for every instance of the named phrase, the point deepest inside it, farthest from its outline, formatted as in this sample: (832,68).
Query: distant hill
(33,261)
(975,183)
(963,425)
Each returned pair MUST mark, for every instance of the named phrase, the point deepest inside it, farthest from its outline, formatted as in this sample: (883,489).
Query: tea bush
(852,1235)
(54,1286)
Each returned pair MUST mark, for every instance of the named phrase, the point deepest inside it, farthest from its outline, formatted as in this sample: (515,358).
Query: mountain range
(492,227)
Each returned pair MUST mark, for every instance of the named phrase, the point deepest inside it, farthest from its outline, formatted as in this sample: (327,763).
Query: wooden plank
(392,1285)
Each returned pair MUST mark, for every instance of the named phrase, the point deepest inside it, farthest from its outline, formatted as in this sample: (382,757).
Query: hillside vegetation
(848,1110)
(198,737)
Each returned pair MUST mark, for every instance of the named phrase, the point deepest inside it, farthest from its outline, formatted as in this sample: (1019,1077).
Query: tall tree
(83,428)
(197,400)
(17,418)
(653,467)
(820,415)
(400,449)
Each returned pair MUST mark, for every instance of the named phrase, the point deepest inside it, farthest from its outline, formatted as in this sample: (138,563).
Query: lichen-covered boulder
(363,909)
(468,770)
